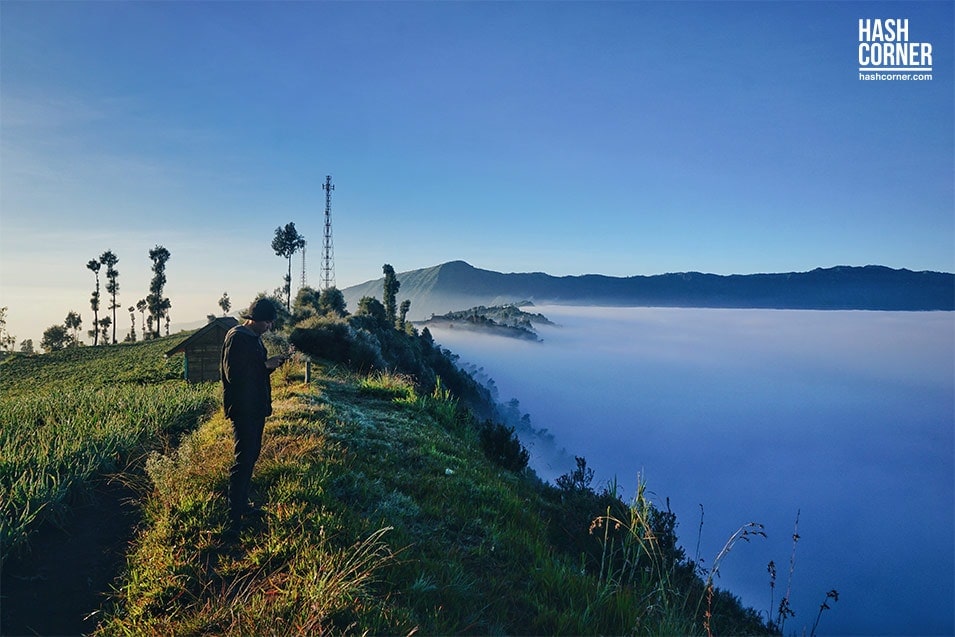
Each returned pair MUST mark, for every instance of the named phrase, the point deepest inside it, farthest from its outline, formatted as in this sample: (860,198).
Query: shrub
(322,337)
(502,447)
(364,351)
(578,480)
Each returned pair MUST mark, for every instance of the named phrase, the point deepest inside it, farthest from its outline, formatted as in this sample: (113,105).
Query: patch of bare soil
(57,587)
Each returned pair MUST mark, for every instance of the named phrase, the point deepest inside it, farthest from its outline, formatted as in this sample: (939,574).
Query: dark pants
(247,433)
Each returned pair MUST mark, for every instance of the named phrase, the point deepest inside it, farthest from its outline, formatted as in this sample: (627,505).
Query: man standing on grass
(247,399)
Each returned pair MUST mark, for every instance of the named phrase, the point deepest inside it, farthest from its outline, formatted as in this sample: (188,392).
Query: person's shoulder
(240,330)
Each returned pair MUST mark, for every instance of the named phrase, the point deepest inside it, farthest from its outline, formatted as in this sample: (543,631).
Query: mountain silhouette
(457,285)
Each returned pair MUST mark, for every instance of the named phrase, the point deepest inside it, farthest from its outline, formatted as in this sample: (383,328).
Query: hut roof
(224,323)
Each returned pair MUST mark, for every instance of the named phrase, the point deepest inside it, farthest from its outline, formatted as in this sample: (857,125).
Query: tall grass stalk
(834,596)
(743,533)
(638,553)
(384,384)
(771,569)
(632,557)
(442,405)
(785,610)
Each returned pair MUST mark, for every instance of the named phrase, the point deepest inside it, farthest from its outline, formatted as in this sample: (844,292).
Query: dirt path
(69,572)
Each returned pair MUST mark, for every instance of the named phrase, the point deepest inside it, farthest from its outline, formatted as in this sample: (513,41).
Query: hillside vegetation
(393,504)
(503,320)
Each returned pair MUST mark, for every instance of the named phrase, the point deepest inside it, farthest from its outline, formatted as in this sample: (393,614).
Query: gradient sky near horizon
(615,138)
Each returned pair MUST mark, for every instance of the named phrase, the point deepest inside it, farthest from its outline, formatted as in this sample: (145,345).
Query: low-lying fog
(845,417)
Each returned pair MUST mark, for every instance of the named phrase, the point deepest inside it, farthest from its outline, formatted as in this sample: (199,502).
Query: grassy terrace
(70,417)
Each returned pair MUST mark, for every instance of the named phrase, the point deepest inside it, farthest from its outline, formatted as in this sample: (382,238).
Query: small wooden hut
(203,350)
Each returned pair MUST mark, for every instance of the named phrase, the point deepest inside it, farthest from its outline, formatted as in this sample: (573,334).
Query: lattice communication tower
(304,280)
(328,256)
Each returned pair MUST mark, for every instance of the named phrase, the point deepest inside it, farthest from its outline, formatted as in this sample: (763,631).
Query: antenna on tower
(304,281)
(328,257)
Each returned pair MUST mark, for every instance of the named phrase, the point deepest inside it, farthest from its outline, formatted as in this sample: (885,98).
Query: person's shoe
(232,532)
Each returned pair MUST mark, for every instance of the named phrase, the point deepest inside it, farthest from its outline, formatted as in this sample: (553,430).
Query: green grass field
(69,417)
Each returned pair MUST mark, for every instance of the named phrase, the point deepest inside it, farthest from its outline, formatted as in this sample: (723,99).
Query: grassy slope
(383,515)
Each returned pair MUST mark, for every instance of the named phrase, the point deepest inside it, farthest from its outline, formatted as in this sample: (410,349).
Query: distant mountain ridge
(458,285)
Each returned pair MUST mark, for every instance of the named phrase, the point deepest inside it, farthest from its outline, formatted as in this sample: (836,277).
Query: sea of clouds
(844,418)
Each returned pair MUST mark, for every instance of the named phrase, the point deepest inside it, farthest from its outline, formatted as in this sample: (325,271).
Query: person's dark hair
(261,310)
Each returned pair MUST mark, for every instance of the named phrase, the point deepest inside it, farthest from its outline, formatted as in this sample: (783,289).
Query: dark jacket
(246,390)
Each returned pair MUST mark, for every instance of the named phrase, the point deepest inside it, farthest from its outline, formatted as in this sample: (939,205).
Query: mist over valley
(843,417)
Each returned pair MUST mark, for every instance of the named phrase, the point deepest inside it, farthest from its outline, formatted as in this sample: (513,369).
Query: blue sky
(615,138)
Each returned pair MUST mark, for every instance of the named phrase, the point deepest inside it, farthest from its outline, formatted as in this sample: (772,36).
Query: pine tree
(131,337)
(157,304)
(7,340)
(74,322)
(403,313)
(225,303)
(94,265)
(104,324)
(141,307)
(112,285)
(287,241)
(392,285)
